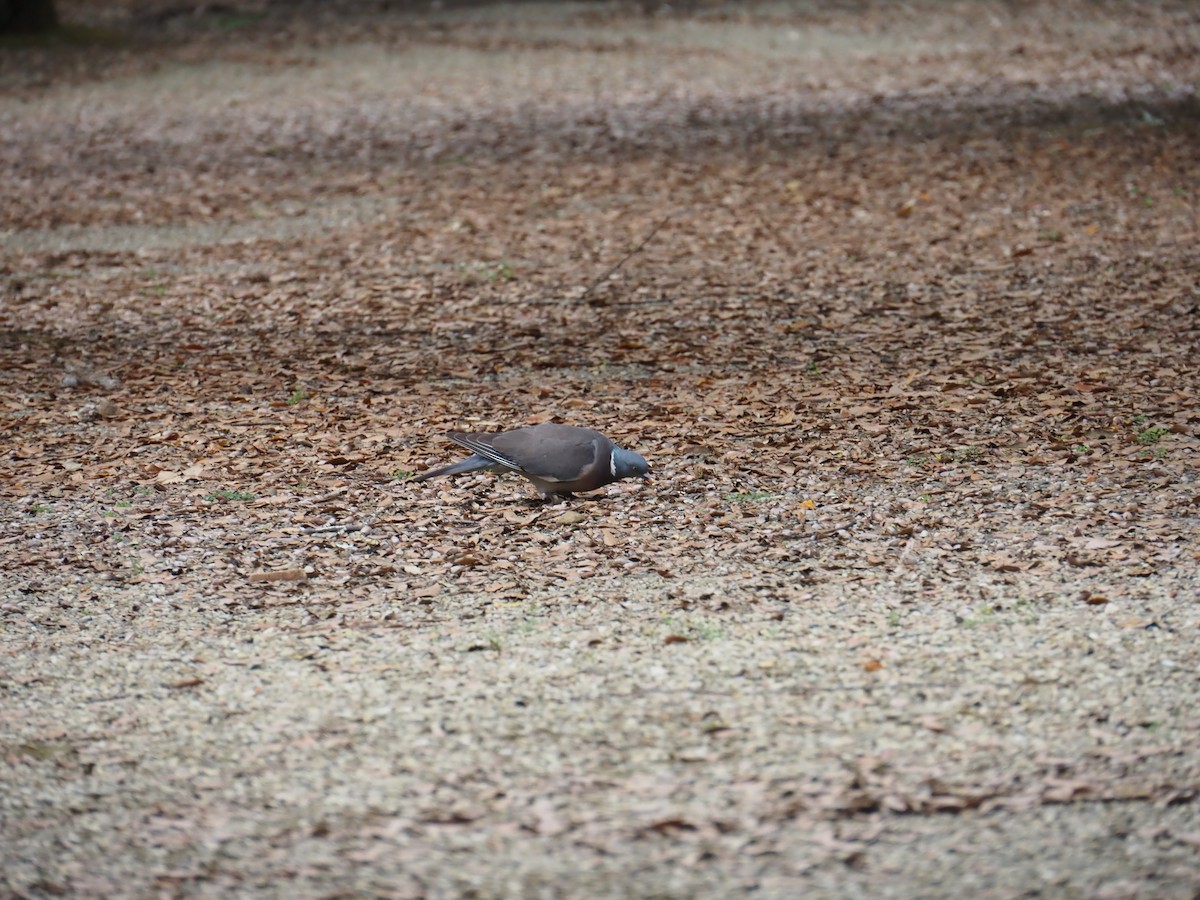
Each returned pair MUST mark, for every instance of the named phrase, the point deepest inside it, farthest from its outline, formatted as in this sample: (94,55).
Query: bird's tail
(470,464)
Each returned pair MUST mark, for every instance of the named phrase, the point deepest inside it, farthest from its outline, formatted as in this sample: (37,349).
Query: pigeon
(557,459)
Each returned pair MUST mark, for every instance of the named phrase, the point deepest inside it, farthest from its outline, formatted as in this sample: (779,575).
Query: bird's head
(627,464)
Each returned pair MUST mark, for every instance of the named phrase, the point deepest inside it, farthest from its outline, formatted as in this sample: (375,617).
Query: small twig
(331,529)
(805,689)
(624,259)
(828,532)
(325,498)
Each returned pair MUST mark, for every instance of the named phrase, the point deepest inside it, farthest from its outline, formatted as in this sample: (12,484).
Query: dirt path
(910,608)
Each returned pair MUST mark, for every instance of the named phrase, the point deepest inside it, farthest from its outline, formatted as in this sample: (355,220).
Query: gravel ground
(562,746)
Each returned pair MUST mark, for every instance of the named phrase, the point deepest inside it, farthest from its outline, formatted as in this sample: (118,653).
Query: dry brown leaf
(185,683)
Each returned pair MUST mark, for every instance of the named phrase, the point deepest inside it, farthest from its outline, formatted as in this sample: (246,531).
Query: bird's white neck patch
(612,464)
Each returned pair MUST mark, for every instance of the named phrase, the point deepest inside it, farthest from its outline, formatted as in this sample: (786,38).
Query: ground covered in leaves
(910,607)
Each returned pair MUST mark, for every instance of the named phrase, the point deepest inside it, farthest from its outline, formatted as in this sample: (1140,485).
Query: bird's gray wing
(554,453)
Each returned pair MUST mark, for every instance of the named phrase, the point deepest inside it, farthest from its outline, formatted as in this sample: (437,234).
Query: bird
(557,459)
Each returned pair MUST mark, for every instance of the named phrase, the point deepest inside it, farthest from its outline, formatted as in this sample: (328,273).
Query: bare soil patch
(910,607)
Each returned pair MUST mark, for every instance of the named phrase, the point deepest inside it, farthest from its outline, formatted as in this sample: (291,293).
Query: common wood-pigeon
(558,459)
